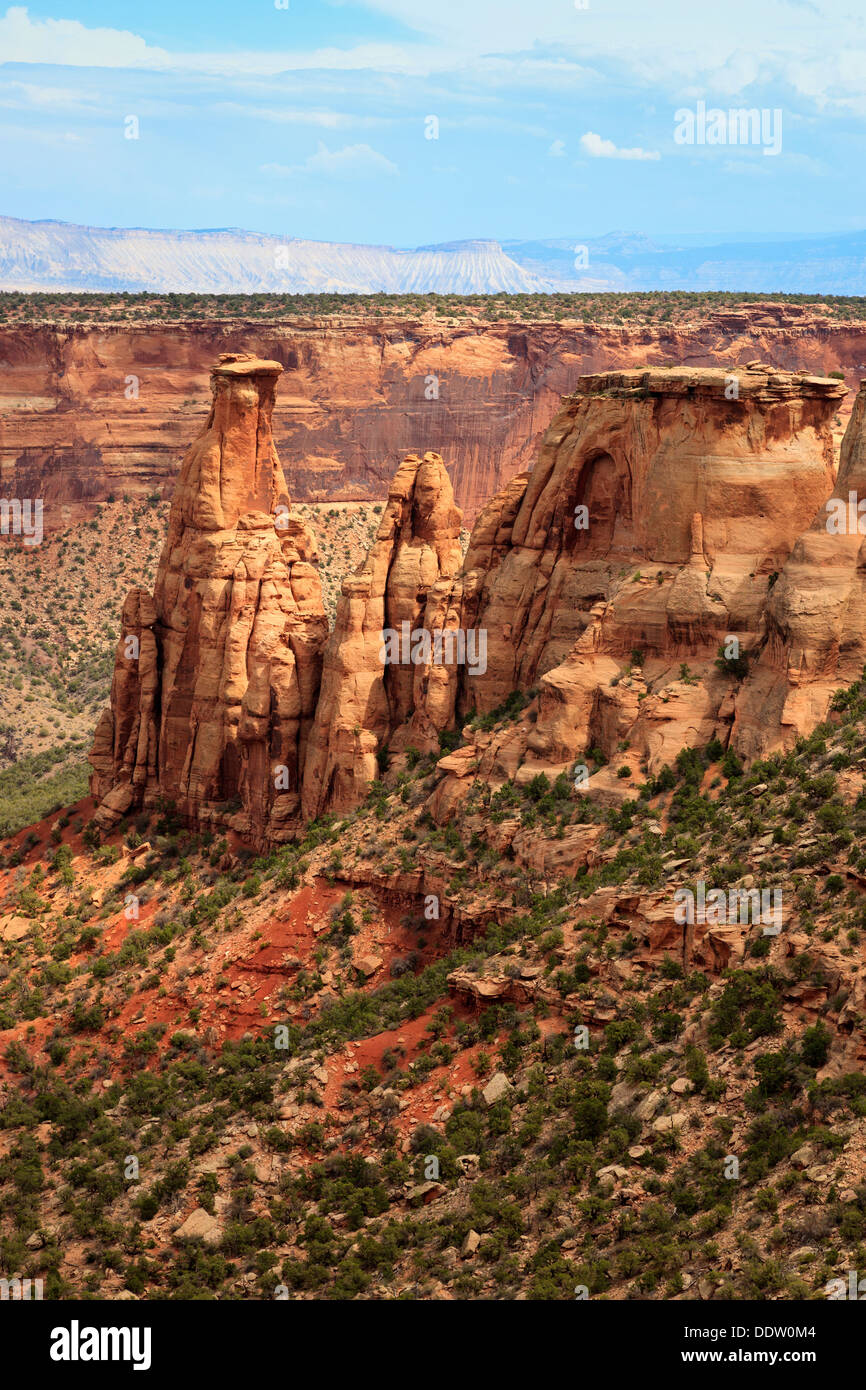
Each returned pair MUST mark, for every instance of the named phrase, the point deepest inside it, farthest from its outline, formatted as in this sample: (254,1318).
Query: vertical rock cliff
(216,677)
(816,614)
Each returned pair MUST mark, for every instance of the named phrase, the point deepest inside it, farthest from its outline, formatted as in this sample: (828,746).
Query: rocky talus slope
(332,1093)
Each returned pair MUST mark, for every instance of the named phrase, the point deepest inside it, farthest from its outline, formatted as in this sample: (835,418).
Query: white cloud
(598,148)
(671,47)
(67,42)
(674,46)
(352,162)
(557,149)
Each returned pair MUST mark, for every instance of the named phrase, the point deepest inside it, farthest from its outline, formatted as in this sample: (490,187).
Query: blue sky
(553,120)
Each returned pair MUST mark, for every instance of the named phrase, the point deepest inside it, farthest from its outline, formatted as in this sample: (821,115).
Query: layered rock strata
(652,527)
(90,411)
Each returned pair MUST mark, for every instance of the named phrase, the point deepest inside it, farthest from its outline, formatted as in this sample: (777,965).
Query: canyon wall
(92,411)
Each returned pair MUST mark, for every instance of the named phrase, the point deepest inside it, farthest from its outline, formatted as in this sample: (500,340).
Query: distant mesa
(63,256)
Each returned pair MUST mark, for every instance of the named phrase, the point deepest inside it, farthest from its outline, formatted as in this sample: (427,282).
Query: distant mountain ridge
(63,256)
(52,255)
(630,261)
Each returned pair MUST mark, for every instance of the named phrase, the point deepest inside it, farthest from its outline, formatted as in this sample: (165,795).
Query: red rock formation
(660,508)
(89,411)
(366,697)
(602,583)
(125,746)
(816,614)
(216,717)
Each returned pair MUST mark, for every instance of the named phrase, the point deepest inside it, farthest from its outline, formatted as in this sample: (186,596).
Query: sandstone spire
(215,715)
(365,697)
